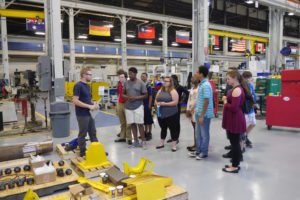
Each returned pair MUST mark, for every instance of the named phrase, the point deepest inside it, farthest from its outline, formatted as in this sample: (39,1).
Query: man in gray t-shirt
(134,92)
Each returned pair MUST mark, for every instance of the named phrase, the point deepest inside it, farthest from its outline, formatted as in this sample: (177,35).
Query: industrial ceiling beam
(21,13)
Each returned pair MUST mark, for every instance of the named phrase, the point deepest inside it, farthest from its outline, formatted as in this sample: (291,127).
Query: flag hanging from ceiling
(239,46)
(146,32)
(182,37)
(214,40)
(260,47)
(35,25)
(98,29)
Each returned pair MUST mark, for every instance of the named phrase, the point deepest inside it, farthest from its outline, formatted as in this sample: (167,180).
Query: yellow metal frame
(21,13)
(238,36)
(144,167)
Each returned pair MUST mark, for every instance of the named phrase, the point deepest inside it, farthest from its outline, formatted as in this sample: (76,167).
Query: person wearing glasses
(167,112)
(83,105)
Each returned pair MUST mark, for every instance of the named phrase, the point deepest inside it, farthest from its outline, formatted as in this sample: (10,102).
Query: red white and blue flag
(146,32)
(35,25)
(182,37)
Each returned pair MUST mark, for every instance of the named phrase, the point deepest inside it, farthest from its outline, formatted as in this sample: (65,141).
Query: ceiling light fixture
(249,2)
(148,42)
(118,39)
(160,39)
(40,33)
(256,4)
(130,35)
(110,25)
(291,14)
(61,21)
(175,44)
(84,37)
(190,42)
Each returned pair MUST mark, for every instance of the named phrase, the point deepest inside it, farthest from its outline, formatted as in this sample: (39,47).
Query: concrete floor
(270,170)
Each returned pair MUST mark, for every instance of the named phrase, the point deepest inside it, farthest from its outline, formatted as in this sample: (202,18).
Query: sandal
(229,171)
(160,147)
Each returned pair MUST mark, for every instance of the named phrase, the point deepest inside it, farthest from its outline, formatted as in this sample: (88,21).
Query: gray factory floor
(270,170)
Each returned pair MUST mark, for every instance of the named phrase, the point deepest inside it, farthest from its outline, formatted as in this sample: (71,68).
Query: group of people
(136,100)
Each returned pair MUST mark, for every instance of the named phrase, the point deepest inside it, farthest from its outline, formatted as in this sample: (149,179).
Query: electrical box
(44,73)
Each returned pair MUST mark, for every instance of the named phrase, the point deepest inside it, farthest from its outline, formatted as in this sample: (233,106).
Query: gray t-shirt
(134,88)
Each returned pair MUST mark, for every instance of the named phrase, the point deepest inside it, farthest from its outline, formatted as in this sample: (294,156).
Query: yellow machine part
(166,181)
(21,14)
(95,157)
(95,184)
(31,195)
(238,36)
(95,90)
(140,168)
(150,190)
(69,87)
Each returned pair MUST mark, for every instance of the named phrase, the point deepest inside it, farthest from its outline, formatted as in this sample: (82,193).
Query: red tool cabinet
(285,110)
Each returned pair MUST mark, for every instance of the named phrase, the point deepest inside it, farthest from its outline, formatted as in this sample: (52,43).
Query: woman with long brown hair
(233,117)
(167,112)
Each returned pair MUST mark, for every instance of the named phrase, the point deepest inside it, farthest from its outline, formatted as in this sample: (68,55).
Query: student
(167,112)
(83,104)
(233,118)
(250,117)
(180,90)
(134,92)
(191,105)
(148,121)
(125,133)
(204,112)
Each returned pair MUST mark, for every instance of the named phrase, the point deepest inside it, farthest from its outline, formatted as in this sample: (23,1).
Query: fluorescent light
(39,33)
(148,42)
(175,44)
(291,14)
(110,25)
(61,21)
(117,39)
(256,4)
(249,2)
(190,42)
(216,48)
(129,35)
(160,39)
(82,37)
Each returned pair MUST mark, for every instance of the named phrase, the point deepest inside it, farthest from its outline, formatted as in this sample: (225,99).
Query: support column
(55,48)
(200,33)
(298,60)
(72,45)
(124,42)
(276,38)
(165,39)
(225,46)
(4,42)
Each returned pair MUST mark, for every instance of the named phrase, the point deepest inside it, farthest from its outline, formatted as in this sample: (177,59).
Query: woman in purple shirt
(233,118)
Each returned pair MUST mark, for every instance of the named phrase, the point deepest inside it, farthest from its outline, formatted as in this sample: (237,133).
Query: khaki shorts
(135,116)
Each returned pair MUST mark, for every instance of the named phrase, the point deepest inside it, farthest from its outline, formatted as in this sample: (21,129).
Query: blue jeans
(202,135)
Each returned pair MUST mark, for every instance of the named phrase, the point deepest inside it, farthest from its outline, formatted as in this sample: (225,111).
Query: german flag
(98,29)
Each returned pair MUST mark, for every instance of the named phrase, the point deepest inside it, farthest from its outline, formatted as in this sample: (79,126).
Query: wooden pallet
(66,155)
(174,192)
(18,193)
(87,173)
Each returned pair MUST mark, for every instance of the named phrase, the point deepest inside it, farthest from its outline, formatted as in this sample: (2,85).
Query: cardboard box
(87,189)
(36,164)
(115,175)
(76,190)
(44,178)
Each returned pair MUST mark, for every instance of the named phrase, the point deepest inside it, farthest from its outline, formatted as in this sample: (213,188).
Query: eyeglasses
(167,81)
(88,74)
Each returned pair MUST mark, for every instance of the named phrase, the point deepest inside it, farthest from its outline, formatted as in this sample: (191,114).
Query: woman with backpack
(233,117)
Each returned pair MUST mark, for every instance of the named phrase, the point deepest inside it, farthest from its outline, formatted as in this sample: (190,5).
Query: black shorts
(148,120)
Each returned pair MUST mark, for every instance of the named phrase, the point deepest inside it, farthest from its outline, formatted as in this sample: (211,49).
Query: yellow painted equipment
(95,90)
(140,168)
(69,87)
(95,157)
(95,184)
(166,181)
(21,14)
(150,190)
(31,195)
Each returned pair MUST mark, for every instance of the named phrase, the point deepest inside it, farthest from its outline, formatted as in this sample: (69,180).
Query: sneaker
(120,140)
(129,142)
(201,157)
(148,136)
(192,154)
(227,155)
(227,147)
(248,143)
(135,145)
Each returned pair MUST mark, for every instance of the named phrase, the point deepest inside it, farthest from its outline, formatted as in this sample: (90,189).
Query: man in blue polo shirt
(203,113)
(83,105)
